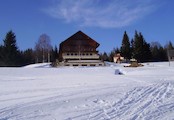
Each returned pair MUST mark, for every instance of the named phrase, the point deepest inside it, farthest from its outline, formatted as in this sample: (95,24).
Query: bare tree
(43,48)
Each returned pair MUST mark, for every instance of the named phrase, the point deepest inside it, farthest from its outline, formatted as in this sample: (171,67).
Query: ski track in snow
(151,102)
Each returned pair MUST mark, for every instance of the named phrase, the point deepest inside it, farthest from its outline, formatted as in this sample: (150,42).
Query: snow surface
(39,65)
(87,93)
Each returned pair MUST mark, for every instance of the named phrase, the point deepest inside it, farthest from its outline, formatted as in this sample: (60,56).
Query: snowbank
(39,65)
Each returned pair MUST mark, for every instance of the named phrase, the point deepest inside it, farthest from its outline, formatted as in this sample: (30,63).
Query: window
(84,64)
(75,65)
(92,64)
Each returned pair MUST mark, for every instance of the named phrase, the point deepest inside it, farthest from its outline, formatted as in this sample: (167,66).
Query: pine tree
(28,57)
(1,57)
(132,48)
(125,47)
(170,46)
(137,47)
(10,53)
(146,52)
(104,56)
(54,54)
(158,52)
(117,50)
(163,54)
(141,49)
(155,52)
(111,55)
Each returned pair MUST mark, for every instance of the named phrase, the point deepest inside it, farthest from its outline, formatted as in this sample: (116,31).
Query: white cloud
(101,13)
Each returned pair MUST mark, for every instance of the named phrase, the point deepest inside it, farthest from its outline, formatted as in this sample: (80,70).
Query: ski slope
(39,92)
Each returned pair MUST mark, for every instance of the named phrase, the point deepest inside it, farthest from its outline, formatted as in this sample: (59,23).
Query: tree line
(139,49)
(11,56)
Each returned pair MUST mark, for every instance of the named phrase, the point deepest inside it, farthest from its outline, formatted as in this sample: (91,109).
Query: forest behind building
(136,47)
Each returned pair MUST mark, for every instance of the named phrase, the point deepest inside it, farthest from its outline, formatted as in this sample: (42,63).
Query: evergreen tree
(145,50)
(111,55)
(170,46)
(104,57)
(132,48)
(137,47)
(117,50)
(155,53)
(1,57)
(158,52)
(28,57)
(125,47)
(141,49)
(163,54)
(54,54)
(10,53)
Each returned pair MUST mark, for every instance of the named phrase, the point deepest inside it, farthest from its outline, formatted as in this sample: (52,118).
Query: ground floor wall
(82,63)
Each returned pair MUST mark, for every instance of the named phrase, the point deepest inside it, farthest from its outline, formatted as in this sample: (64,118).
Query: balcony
(81,56)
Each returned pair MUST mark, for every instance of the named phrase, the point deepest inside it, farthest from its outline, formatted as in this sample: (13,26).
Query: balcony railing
(93,56)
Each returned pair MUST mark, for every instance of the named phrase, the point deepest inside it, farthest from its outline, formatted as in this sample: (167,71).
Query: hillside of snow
(114,92)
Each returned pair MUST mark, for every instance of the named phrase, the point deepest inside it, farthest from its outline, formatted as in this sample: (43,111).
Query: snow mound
(39,65)
(118,72)
(112,64)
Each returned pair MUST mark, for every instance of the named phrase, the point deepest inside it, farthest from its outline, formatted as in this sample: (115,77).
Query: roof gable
(80,38)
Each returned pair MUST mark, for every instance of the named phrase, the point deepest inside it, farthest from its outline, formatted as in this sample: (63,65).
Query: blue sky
(103,20)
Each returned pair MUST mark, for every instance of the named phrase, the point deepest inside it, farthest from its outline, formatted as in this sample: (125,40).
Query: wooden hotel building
(79,50)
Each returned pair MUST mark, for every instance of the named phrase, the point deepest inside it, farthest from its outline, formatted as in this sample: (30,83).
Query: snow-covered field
(39,92)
